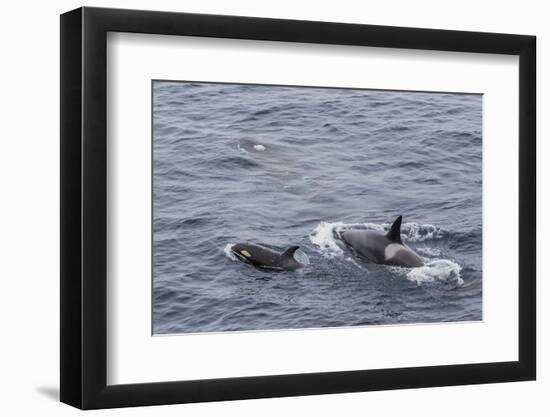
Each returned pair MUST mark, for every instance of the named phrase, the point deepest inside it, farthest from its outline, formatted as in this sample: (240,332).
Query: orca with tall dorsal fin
(382,248)
(265,258)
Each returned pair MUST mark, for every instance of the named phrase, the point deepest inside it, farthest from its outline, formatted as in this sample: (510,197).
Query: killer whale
(382,248)
(265,258)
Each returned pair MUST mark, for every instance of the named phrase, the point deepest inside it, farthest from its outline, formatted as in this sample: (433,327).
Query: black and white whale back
(266,258)
(382,248)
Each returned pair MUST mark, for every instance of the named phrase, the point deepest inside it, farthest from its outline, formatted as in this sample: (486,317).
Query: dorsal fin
(394,233)
(289,253)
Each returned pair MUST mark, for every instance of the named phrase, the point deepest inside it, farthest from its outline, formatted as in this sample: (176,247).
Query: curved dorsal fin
(289,253)
(394,233)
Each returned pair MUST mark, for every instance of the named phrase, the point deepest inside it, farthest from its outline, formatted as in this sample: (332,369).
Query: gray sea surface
(282,166)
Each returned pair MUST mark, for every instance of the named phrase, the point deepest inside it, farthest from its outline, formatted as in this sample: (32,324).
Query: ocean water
(282,166)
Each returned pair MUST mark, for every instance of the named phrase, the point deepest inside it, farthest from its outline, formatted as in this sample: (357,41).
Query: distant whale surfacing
(382,248)
(252,146)
(262,257)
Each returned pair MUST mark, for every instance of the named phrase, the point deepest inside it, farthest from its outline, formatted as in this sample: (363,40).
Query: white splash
(301,257)
(260,148)
(228,253)
(323,237)
(414,232)
(437,269)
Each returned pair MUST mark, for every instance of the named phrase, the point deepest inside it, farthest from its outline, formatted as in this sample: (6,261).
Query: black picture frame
(84,207)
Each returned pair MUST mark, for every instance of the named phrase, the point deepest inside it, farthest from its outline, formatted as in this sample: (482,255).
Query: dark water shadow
(50,392)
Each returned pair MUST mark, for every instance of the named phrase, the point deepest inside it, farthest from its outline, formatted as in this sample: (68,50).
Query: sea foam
(436,270)
(228,253)
(323,237)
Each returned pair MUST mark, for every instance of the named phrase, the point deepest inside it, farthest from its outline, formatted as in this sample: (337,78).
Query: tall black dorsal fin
(289,253)
(395,231)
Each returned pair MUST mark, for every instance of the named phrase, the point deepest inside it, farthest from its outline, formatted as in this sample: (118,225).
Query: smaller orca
(382,248)
(265,258)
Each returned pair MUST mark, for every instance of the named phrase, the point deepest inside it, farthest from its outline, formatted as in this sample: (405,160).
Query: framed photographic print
(256,207)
